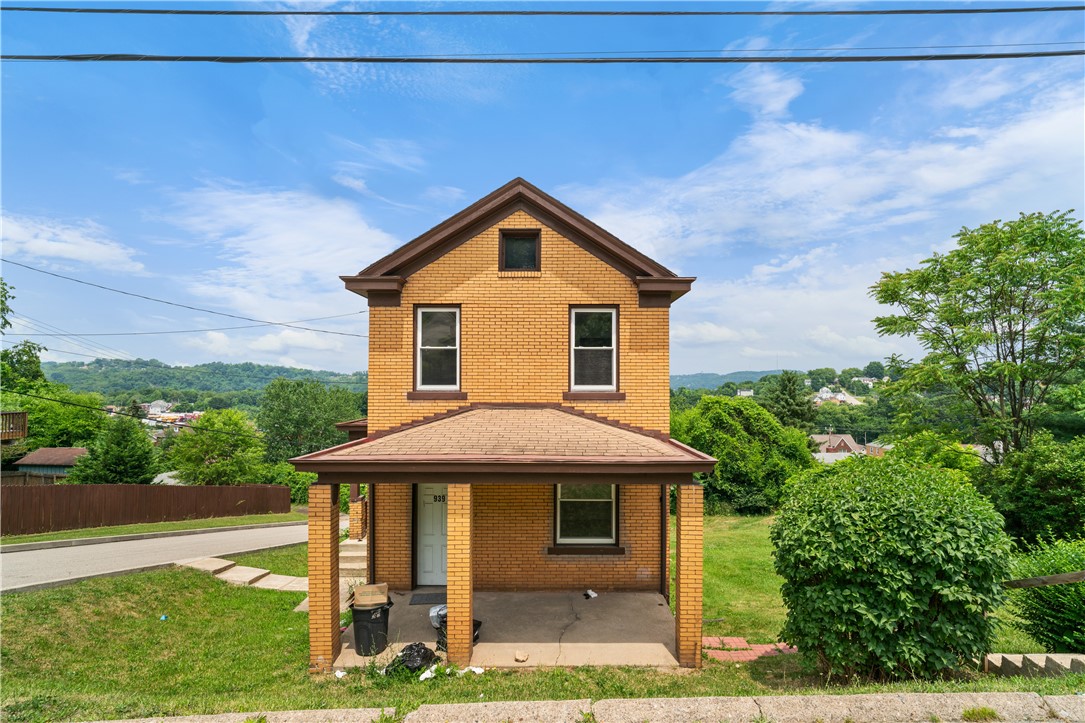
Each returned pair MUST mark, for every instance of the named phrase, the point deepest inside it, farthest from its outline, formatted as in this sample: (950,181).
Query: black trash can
(439,620)
(370,628)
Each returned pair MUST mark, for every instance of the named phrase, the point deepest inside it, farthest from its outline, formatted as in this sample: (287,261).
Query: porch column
(459,592)
(689,574)
(324,640)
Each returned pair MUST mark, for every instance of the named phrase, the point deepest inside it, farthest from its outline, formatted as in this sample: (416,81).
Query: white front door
(432,542)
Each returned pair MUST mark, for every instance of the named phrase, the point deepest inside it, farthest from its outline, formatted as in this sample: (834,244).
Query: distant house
(869,381)
(877,449)
(827,395)
(836,443)
(831,457)
(50,460)
(745,392)
(158,406)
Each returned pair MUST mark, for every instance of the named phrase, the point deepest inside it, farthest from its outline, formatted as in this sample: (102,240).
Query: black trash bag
(413,658)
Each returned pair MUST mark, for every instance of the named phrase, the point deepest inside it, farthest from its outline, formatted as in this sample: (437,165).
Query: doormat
(429,598)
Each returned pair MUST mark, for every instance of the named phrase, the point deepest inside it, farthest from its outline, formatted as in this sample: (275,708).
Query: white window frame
(589,540)
(418,350)
(613,386)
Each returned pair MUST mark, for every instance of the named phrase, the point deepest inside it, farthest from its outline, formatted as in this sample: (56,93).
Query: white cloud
(764,91)
(708,332)
(818,313)
(788,184)
(281,253)
(406,155)
(85,242)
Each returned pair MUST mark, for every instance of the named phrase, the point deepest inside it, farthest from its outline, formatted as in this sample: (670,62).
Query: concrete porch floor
(552,628)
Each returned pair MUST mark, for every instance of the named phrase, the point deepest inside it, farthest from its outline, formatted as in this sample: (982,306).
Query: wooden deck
(12,425)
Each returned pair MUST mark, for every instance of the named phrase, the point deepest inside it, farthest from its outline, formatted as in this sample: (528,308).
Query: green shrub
(1040,490)
(344,499)
(1054,615)
(889,568)
(756,454)
(283,473)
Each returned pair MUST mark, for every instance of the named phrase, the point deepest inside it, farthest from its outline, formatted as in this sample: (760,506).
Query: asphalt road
(34,569)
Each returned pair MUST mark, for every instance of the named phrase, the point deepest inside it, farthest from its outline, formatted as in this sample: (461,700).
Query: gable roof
(511,438)
(384,279)
(53,457)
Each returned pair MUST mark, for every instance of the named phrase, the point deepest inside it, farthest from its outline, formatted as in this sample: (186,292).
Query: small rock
(520,657)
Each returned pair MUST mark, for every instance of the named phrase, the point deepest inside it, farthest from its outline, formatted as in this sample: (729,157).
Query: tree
(1040,490)
(1002,318)
(121,454)
(846,375)
(822,377)
(223,448)
(756,454)
(298,417)
(874,370)
(790,401)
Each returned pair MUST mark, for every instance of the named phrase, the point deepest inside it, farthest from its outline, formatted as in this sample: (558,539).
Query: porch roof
(511,439)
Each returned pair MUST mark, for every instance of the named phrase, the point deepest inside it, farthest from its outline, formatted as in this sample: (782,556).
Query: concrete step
(1035,665)
(213,565)
(241,575)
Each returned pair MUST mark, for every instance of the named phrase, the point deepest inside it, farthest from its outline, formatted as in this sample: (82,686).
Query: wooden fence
(1064,578)
(23,479)
(46,508)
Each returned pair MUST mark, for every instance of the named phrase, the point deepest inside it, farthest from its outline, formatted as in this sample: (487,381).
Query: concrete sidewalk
(883,708)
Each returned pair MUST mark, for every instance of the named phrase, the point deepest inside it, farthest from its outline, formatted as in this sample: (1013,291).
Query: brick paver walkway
(737,650)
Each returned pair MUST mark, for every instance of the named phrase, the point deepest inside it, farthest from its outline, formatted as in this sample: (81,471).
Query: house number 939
(439,498)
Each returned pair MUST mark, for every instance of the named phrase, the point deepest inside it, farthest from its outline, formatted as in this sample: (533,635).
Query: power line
(191,331)
(556,13)
(509,60)
(58,351)
(750,50)
(185,306)
(134,416)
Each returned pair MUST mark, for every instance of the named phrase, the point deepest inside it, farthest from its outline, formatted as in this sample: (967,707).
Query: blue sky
(248,189)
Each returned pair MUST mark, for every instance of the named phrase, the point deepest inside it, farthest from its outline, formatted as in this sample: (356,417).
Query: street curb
(77,542)
(146,568)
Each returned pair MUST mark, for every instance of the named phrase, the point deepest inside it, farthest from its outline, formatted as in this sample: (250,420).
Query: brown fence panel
(28,478)
(26,510)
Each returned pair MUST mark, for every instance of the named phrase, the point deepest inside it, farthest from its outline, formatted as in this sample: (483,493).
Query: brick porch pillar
(459,592)
(324,641)
(359,516)
(689,575)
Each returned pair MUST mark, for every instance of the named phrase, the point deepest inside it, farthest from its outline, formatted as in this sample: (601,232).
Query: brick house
(837,443)
(518,428)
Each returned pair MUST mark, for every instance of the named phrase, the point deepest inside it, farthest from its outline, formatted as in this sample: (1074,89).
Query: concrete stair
(1035,665)
(353,559)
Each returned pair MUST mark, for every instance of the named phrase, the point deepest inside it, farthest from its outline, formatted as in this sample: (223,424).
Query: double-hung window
(586,514)
(594,363)
(437,339)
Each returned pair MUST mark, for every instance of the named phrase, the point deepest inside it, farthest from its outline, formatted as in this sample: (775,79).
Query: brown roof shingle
(513,435)
(53,457)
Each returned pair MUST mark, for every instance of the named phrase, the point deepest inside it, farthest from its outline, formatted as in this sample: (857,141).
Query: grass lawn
(97,649)
(155,527)
(291,560)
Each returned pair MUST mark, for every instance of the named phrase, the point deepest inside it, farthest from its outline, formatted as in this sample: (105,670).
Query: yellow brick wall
(392,539)
(324,640)
(359,519)
(689,575)
(515,332)
(460,591)
(512,527)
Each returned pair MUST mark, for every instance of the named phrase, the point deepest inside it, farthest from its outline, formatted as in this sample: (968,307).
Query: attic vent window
(520,250)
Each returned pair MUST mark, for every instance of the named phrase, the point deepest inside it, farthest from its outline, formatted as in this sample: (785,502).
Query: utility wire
(58,351)
(134,416)
(509,60)
(191,331)
(750,50)
(558,13)
(185,306)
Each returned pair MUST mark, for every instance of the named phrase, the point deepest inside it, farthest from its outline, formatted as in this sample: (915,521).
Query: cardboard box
(371,595)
